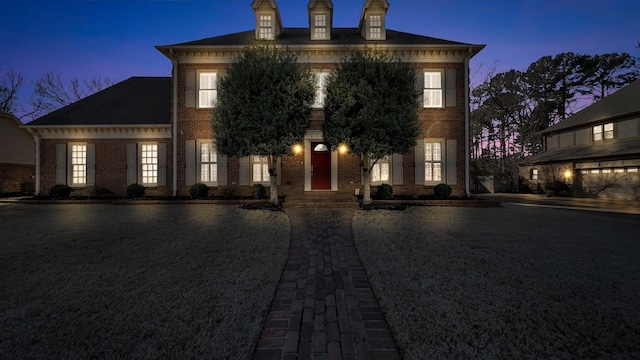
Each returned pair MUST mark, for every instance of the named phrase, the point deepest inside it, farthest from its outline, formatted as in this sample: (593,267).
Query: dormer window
(375,27)
(265,31)
(320,26)
(372,21)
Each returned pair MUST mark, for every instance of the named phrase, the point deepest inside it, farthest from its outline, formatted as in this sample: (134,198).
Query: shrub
(558,188)
(442,191)
(135,191)
(228,192)
(60,191)
(385,191)
(258,191)
(100,191)
(199,191)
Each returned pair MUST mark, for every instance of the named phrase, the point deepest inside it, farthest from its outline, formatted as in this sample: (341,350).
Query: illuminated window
(208,163)
(265,31)
(534,174)
(207,91)
(375,27)
(78,164)
(606,171)
(261,169)
(433,161)
(432,89)
(595,171)
(618,170)
(380,172)
(601,132)
(320,26)
(321,88)
(149,163)
(632,169)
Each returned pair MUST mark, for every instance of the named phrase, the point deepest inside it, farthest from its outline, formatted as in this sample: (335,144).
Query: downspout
(467,155)
(174,74)
(36,138)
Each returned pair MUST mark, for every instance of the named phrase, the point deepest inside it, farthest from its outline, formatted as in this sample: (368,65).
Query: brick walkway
(324,307)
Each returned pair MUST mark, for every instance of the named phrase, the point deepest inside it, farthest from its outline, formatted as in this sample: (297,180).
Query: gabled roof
(135,101)
(300,36)
(623,103)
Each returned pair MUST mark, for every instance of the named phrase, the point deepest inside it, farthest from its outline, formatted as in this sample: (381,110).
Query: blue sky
(116,38)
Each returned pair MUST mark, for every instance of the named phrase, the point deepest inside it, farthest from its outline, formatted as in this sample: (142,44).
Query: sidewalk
(588,204)
(324,307)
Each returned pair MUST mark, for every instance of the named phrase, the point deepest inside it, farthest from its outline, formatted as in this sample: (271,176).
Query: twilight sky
(116,38)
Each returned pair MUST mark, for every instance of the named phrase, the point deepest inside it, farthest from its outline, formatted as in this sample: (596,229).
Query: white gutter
(174,60)
(467,155)
(36,138)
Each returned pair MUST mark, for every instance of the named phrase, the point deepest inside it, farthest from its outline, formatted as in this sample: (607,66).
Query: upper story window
(375,27)
(207,89)
(265,31)
(321,89)
(78,164)
(320,26)
(149,163)
(433,89)
(603,132)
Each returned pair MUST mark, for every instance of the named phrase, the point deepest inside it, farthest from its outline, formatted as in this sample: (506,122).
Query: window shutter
(190,89)
(397,161)
(279,170)
(420,86)
(190,161)
(452,173)
(244,172)
(61,163)
(162,164)
(132,163)
(450,88)
(222,169)
(91,164)
(419,162)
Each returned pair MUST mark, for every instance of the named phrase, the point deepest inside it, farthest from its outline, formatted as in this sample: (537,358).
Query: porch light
(297,149)
(342,149)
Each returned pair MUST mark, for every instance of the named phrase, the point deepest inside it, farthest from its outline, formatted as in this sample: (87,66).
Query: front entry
(320,166)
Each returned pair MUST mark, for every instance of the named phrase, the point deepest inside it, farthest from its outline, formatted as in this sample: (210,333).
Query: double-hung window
(320,26)
(208,163)
(207,89)
(265,30)
(603,132)
(321,89)
(380,171)
(78,164)
(433,161)
(375,27)
(534,174)
(433,89)
(149,164)
(261,169)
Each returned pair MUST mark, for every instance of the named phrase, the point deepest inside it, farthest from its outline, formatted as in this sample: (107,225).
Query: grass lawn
(505,283)
(143,281)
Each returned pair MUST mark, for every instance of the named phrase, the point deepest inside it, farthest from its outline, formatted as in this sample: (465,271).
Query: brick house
(596,151)
(185,152)
(17,156)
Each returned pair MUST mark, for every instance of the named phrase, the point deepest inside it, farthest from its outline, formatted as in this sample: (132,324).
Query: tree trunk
(273,179)
(366,172)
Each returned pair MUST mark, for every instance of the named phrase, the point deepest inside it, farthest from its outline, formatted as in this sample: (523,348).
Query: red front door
(320,166)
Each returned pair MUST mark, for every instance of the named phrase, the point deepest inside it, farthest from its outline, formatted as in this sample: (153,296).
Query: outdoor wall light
(567,174)
(297,149)
(342,149)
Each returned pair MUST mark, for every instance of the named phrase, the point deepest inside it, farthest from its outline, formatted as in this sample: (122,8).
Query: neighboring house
(596,151)
(17,156)
(186,145)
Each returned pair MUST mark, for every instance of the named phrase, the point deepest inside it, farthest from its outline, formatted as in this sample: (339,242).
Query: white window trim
(441,161)
(141,164)
(200,90)
(387,160)
(603,134)
(320,79)
(271,27)
(434,90)
(326,27)
(71,164)
(253,162)
(199,162)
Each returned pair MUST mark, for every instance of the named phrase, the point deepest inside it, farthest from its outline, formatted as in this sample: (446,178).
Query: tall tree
(10,83)
(264,106)
(372,106)
(52,93)
(609,72)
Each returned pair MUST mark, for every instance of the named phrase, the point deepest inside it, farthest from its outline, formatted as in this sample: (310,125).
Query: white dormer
(268,21)
(372,21)
(320,19)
